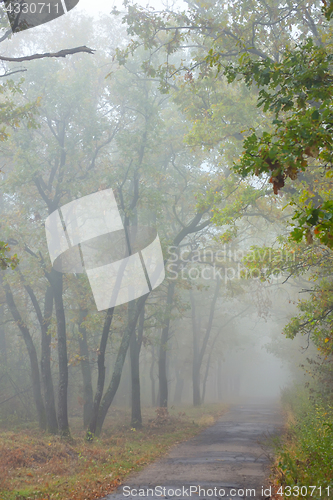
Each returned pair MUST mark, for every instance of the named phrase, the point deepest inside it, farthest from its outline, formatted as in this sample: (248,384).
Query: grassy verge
(305,452)
(34,465)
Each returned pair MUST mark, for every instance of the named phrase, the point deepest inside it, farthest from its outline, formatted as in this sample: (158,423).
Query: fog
(210,330)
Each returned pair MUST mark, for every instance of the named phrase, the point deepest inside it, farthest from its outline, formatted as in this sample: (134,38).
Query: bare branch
(61,53)
(13,72)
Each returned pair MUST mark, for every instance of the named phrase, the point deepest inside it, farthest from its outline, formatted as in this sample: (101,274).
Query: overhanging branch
(61,53)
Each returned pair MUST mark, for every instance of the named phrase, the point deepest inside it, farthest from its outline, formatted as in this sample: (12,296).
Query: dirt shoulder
(35,465)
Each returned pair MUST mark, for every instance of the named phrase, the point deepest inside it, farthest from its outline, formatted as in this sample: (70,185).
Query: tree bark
(162,359)
(195,361)
(3,343)
(196,384)
(193,226)
(219,380)
(35,377)
(152,376)
(116,375)
(85,370)
(135,348)
(177,399)
(204,384)
(198,354)
(101,373)
(44,322)
(52,422)
(61,53)
(56,281)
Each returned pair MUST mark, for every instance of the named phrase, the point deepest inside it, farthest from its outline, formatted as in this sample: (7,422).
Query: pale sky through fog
(107,5)
(92,8)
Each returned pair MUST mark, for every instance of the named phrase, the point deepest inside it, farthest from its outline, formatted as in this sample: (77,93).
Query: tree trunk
(45,364)
(56,281)
(162,359)
(35,377)
(152,377)
(135,348)
(3,343)
(116,375)
(52,422)
(196,384)
(219,380)
(195,361)
(199,354)
(85,370)
(179,388)
(204,384)
(101,373)
(192,227)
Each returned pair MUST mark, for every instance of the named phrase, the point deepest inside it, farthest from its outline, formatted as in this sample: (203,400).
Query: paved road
(226,461)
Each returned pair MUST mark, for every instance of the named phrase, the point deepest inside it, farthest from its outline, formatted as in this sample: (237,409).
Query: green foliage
(298,91)
(11,114)
(11,111)
(5,260)
(305,457)
(315,317)
(320,217)
(327,9)
(213,31)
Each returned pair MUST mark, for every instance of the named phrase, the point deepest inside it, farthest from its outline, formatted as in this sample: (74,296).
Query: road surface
(229,460)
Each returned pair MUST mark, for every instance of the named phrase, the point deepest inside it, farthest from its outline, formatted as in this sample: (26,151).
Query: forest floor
(35,465)
(231,459)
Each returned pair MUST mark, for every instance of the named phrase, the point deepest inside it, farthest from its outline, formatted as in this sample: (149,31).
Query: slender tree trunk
(46,374)
(3,343)
(162,359)
(135,348)
(35,377)
(152,376)
(56,281)
(179,388)
(193,226)
(195,361)
(52,422)
(44,322)
(196,384)
(204,384)
(219,380)
(136,419)
(101,373)
(85,370)
(115,380)
(198,354)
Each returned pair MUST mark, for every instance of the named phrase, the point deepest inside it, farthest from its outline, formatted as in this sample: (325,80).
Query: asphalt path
(229,460)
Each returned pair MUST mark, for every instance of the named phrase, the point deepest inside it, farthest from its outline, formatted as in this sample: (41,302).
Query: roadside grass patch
(305,452)
(35,465)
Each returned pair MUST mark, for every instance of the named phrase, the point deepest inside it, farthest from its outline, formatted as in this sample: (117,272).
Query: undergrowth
(35,465)
(305,452)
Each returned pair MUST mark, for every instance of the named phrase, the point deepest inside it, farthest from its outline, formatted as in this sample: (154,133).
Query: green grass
(305,453)
(35,465)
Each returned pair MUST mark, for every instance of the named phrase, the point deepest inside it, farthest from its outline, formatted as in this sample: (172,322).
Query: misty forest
(212,123)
